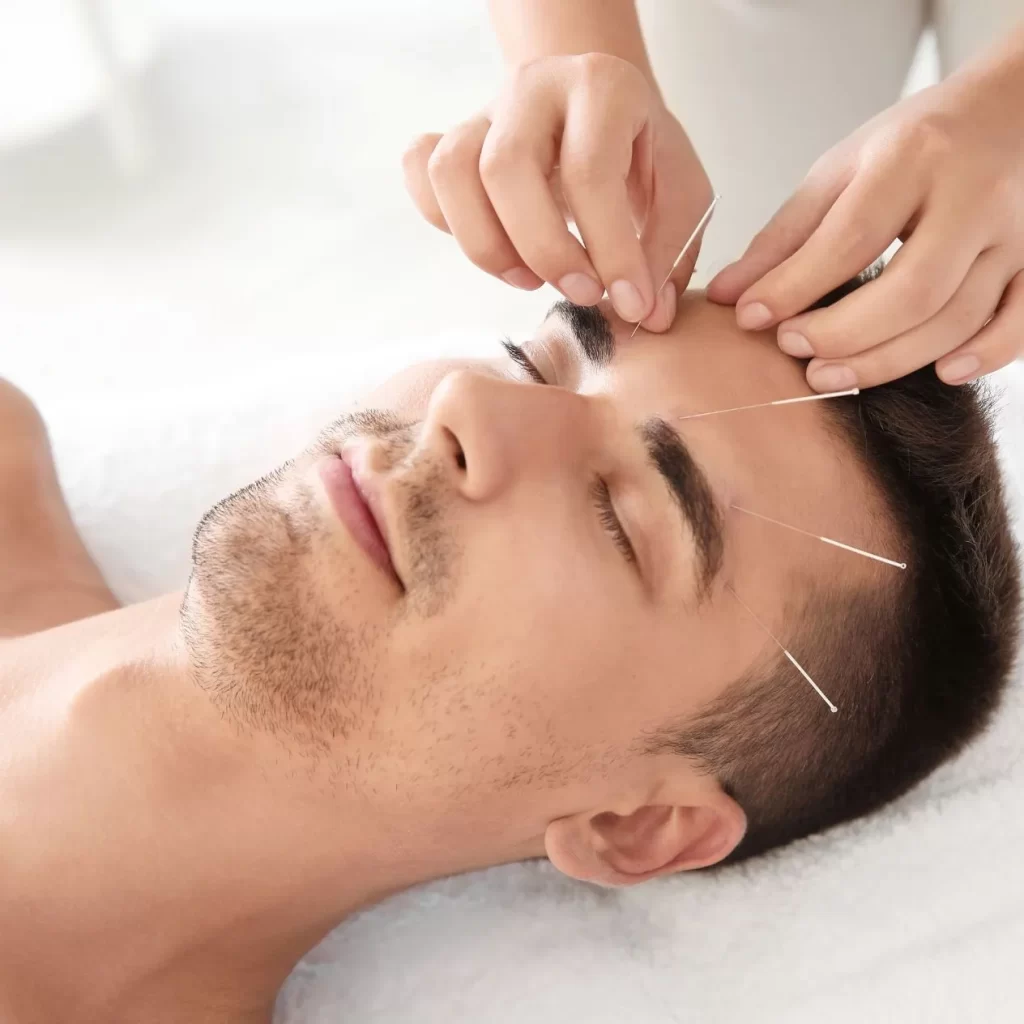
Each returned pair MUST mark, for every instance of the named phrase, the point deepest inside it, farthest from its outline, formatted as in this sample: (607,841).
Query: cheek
(542,650)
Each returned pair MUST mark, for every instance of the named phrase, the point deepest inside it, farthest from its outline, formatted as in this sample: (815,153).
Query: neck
(182,856)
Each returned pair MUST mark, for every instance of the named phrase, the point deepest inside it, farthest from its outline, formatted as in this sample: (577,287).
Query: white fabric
(187,334)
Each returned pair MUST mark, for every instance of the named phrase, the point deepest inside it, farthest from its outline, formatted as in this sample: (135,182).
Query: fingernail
(581,289)
(833,378)
(753,316)
(520,277)
(960,370)
(627,301)
(795,344)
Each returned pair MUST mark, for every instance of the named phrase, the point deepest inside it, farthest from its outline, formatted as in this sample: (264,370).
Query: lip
(357,506)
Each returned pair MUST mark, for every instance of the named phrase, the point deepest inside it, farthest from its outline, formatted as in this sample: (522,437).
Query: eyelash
(518,356)
(602,499)
(600,495)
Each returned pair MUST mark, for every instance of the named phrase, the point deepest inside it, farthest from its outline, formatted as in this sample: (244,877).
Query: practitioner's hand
(584,138)
(944,171)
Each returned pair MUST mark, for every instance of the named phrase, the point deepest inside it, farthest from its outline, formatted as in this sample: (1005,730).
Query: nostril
(456,448)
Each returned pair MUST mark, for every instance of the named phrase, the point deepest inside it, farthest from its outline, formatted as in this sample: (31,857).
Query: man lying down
(506,610)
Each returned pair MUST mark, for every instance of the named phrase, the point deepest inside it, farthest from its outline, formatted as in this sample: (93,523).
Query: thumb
(793,223)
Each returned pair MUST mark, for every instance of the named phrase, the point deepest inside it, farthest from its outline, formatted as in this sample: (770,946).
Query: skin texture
(579,132)
(214,780)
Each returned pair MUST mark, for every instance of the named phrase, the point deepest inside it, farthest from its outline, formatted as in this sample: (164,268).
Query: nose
(490,433)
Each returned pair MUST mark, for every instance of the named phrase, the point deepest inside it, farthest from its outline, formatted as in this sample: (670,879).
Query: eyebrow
(694,496)
(666,449)
(589,327)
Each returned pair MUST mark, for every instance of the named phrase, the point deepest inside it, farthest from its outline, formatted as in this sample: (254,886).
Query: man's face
(556,579)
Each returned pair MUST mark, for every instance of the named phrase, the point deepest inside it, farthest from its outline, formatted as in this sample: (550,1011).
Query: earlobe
(615,849)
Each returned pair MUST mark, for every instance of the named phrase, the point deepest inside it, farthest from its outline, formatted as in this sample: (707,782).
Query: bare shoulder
(49,576)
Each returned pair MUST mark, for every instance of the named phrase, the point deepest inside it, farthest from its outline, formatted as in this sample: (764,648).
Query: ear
(623,849)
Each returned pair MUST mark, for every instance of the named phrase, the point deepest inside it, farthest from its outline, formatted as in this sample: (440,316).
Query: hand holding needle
(686,245)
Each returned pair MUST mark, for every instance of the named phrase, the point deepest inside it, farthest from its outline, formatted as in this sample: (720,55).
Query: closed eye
(520,358)
(602,499)
(600,495)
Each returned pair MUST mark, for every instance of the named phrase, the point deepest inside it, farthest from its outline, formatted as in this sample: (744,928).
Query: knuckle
(595,67)
(821,172)
(602,71)
(878,366)
(527,71)
(858,235)
(921,141)
(923,294)
(545,258)
(527,79)
(826,344)
(819,169)
(582,172)
(491,254)
(446,160)
(501,155)
(412,157)
(931,137)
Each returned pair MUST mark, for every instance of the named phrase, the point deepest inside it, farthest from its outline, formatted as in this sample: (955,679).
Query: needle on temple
(825,540)
(682,252)
(796,664)
(778,401)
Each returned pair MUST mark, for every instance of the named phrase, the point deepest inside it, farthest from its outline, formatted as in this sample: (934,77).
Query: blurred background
(189,185)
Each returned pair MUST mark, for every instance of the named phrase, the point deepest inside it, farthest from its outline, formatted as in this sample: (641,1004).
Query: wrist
(999,73)
(530,29)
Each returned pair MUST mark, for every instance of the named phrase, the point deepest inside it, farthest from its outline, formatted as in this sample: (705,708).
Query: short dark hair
(917,666)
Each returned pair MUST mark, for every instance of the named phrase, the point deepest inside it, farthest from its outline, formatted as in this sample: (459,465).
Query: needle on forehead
(778,401)
(825,540)
(686,245)
(796,664)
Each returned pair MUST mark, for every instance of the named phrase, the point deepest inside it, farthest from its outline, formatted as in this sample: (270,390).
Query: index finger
(866,218)
(918,281)
(598,146)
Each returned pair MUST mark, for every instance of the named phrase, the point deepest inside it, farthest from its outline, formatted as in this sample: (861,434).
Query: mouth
(357,505)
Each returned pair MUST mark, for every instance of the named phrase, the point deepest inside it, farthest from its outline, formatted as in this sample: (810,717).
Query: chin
(277,641)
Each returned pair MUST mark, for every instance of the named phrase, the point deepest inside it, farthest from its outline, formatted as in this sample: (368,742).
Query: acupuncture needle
(764,405)
(682,252)
(796,664)
(824,540)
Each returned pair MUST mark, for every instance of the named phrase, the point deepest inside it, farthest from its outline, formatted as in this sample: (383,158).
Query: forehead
(785,461)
